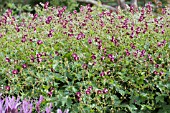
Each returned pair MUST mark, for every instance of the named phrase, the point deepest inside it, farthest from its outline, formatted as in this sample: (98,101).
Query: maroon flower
(15,71)
(90,41)
(35,16)
(93,57)
(87,92)
(102,73)
(46,5)
(78,94)
(76,58)
(50,93)
(90,88)
(47,21)
(39,60)
(49,18)
(99,92)
(157,65)
(39,55)
(24,66)
(8,60)
(23,39)
(7,88)
(39,42)
(102,58)
(155,72)
(84,66)
(56,53)
(105,90)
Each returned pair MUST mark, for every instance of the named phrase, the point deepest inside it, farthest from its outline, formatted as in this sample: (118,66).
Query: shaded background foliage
(28,5)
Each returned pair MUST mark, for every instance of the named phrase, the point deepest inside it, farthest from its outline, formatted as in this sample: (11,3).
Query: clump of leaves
(94,60)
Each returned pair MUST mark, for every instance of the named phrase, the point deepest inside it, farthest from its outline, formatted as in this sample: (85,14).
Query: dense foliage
(91,61)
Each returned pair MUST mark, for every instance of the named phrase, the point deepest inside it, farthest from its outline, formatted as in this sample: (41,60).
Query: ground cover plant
(89,61)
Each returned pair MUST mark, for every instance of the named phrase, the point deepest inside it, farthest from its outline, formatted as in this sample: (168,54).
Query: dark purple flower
(47,21)
(17,29)
(99,92)
(78,94)
(90,41)
(161,73)
(50,93)
(39,55)
(50,35)
(84,66)
(102,58)
(76,58)
(157,65)
(163,31)
(105,90)
(88,92)
(108,72)
(23,39)
(56,53)
(46,5)
(35,16)
(74,55)
(15,71)
(127,52)
(39,60)
(49,18)
(102,73)
(7,88)
(39,42)
(90,88)
(24,66)
(132,35)
(7,60)
(155,72)
(93,56)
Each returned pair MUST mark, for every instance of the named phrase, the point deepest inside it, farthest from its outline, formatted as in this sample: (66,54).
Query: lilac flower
(11,104)
(60,111)
(48,109)
(2,109)
(38,104)
(26,107)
